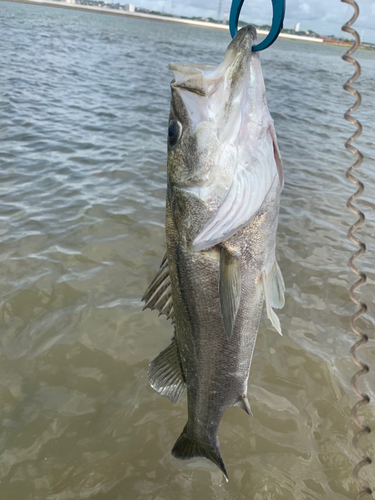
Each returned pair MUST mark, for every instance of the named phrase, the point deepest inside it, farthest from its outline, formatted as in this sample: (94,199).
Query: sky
(322,16)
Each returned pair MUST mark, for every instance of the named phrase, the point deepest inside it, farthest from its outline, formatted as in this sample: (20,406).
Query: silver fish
(224,182)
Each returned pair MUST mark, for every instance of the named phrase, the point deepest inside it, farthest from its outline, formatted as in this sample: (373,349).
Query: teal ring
(277,22)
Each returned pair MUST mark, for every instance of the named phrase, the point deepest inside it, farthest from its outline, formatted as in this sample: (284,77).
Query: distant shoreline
(173,20)
(114,12)
(152,17)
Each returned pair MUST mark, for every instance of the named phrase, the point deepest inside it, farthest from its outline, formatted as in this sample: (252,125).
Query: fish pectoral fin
(276,152)
(243,403)
(187,447)
(159,293)
(229,288)
(273,286)
(165,373)
(276,287)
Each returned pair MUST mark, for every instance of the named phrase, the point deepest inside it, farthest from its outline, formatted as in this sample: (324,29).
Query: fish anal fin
(273,287)
(243,403)
(159,293)
(229,289)
(165,374)
(186,448)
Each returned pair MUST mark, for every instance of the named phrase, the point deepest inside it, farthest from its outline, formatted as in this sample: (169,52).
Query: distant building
(128,7)
(297,27)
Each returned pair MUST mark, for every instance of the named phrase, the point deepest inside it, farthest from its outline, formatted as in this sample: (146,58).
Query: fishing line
(364,369)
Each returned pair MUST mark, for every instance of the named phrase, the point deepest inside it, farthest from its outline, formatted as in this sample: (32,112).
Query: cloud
(305,8)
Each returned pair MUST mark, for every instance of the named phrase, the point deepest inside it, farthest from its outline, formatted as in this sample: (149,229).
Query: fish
(224,178)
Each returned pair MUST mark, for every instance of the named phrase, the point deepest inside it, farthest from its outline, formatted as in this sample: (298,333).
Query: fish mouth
(197,77)
(244,39)
(210,92)
(239,55)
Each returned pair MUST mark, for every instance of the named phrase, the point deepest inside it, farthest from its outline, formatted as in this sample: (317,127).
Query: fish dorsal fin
(159,293)
(165,373)
(273,287)
(229,289)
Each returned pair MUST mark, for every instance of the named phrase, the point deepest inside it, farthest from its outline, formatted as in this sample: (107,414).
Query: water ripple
(84,103)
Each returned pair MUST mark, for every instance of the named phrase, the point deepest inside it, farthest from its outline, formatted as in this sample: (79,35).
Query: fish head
(218,121)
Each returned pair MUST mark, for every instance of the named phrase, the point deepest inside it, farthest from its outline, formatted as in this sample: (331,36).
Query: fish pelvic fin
(165,373)
(159,293)
(187,447)
(229,289)
(243,403)
(273,287)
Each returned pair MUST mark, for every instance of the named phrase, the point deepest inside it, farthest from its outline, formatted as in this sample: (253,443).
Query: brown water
(84,104)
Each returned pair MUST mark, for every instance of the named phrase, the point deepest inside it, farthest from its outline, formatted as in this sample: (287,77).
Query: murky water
(84,104)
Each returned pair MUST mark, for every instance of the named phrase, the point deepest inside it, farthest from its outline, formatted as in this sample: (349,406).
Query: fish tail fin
(186,447)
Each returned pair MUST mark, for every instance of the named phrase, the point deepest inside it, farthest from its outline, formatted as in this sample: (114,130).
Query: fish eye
(174,132)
